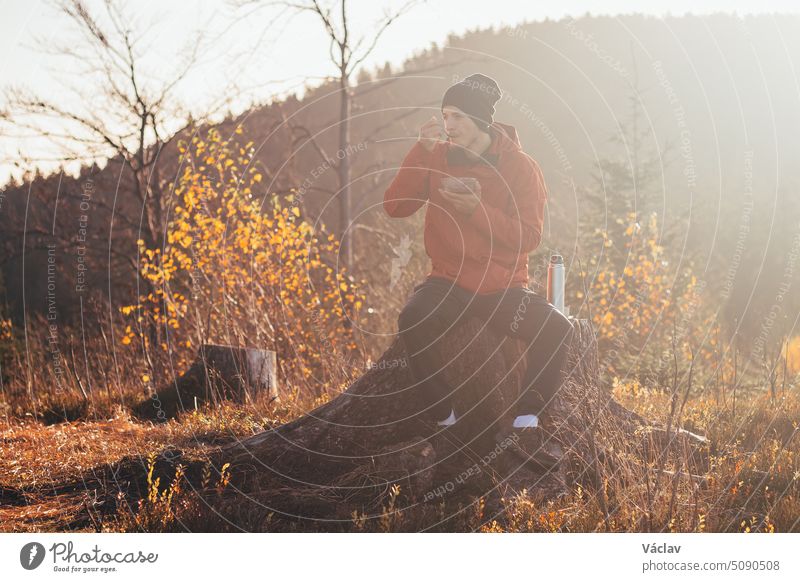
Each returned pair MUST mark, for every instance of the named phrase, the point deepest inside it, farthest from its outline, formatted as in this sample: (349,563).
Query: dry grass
(51,475)
(58,476)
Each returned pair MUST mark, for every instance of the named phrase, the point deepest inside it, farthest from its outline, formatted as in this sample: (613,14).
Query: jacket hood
(508,138)
(504,139)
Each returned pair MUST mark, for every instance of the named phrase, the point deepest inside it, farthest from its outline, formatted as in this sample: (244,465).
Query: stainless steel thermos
(555,282)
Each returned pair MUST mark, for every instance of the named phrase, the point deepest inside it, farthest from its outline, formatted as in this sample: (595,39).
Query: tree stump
(218,373)
(346,455)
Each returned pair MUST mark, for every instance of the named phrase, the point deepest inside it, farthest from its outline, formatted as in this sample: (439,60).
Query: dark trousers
(439,305)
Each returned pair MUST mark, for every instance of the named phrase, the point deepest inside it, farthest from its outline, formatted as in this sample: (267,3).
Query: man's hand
(464,202)
(430,134)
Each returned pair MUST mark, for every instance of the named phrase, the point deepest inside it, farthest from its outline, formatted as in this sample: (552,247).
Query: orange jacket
(486,251)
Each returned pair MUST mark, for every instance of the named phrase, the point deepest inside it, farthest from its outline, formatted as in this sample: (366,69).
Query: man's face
(459,126)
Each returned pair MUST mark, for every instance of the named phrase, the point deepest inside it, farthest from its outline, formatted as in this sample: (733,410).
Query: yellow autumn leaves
(239,268)
(636,301)
(792,354)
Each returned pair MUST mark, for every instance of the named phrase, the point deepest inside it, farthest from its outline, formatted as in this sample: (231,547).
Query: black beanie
(475,96)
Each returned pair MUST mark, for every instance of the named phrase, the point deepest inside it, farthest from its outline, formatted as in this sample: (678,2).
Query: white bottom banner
(355,557)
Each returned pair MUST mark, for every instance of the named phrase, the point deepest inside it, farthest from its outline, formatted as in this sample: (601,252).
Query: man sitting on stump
(485,210)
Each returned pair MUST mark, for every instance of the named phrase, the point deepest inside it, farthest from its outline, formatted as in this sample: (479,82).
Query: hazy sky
(267,52)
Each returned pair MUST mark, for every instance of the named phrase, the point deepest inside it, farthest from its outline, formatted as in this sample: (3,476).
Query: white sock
(526,421)
(449,420)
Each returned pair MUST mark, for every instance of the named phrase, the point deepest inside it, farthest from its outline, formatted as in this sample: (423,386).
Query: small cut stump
(218,373)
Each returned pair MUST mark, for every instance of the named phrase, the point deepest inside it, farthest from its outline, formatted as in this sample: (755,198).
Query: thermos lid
(557,259)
